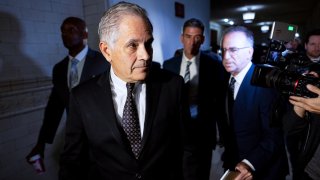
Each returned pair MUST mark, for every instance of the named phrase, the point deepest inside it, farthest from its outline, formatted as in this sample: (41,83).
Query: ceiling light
(231,23)
(264,28)
(251,8)
(248,15)
(248,21)
(226,20)
(264,23)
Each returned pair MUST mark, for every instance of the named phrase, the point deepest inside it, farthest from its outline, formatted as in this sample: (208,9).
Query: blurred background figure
(89,64)
(200,69)
(252,146)
(293,46)
(312,45)
(302,127)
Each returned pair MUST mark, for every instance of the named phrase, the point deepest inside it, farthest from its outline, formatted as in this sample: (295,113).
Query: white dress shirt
(194,68)
(239,78)
(194,81)
(119,96)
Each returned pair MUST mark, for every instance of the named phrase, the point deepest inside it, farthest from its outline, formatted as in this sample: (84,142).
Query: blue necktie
(73,76)
(130,122)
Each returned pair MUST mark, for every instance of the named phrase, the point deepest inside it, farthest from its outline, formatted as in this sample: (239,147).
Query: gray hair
(111,19)
(246,31)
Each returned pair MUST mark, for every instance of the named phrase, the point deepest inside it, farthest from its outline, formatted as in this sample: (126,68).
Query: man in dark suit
(252,147)
(148,144)
(91,63)
(204,80)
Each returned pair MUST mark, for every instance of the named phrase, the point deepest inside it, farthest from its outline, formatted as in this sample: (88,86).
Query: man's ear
(251,50)
(203,39)
(105,50)
(181,38)
(85,35)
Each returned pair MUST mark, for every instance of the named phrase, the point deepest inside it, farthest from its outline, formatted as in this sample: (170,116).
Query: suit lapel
(177,65)
(152,95)
(227,110)
(64,70)
(245,89)
(89,62)
(109,114)
(63,79)
(203,76)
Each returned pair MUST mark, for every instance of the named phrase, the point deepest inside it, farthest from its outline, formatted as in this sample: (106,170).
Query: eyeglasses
(232,50)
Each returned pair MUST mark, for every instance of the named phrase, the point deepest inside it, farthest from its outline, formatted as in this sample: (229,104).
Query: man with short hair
(312,45)
(89,63)
(252,147)
(203,77)
(131,119)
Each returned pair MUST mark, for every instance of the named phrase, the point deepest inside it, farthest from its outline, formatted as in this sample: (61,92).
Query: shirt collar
(193,59)
(81,55)
(120,84)
(117,82)
(239,78)
(315,59)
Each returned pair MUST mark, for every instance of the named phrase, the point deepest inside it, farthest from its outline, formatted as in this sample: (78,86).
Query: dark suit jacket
(58,101)
(210,96)
(251,137)
(92,126)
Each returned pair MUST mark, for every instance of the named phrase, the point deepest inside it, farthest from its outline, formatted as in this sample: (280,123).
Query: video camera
(285,73)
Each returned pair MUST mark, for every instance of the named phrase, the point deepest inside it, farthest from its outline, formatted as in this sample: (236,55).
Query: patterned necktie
(230,99)
(130,122)
(73,76)
(231,87)
(187,74)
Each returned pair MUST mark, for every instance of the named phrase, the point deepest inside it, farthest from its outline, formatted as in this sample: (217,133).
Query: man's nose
(226,54)
(196,40)
(143,53)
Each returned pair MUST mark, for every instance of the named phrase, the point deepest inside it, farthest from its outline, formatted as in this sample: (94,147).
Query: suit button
(138,176)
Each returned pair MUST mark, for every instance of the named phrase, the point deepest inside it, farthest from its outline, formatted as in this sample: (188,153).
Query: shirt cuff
(249,164)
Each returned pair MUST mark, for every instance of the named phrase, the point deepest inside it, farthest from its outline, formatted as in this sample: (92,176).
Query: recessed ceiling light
(264,23)
(251,7)
(248,15)
(264,28)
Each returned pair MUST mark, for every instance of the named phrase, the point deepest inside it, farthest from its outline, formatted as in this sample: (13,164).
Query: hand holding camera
(285,73)
(308,104)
